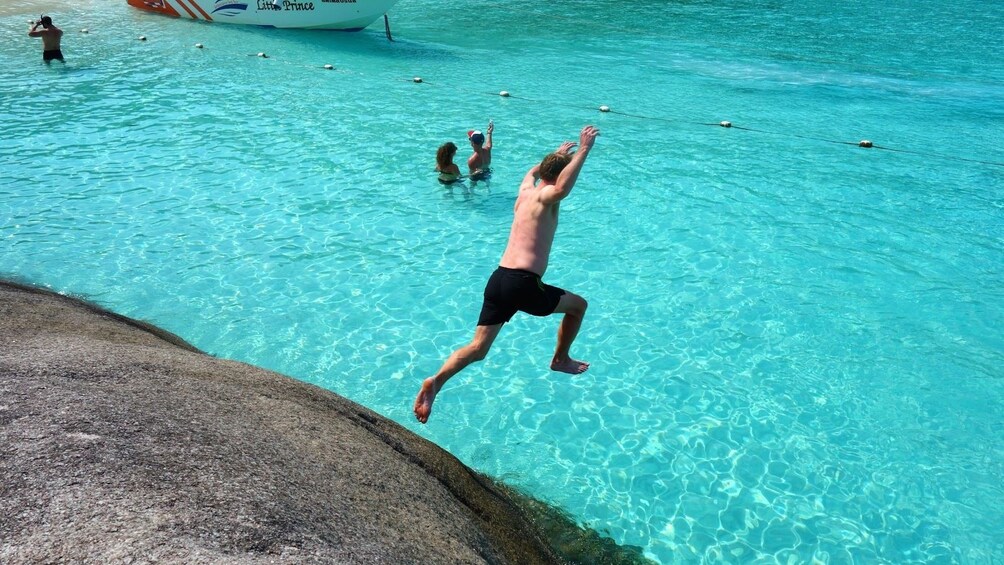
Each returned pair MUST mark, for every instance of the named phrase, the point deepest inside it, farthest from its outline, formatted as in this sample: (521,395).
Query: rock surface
(121,443)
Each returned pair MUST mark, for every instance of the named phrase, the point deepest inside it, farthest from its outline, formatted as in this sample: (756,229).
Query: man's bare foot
(426,396)
(569,365)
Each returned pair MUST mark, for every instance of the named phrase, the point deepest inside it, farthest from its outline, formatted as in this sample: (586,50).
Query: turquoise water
(795,342)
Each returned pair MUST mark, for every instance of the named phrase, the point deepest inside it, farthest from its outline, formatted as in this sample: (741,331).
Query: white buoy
(142,38)
(725,124)
(417,79)
(329,67)
(604,108)
(198,46)
(865,143)
(504,94)
(263,55)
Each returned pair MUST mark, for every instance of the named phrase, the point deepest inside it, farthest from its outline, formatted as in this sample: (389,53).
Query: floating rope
(866,144)
(727,124)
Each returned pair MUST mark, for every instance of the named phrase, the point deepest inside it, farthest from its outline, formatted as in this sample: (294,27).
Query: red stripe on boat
(201,11)
(190,13)
(159,6)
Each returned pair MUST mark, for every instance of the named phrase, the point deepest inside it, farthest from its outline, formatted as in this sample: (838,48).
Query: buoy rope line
(864,143)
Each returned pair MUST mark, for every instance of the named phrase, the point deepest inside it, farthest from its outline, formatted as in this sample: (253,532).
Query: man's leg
(474,351)
(573,307)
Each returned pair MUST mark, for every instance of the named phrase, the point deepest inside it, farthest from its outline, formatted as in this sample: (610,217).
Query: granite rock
(121,443)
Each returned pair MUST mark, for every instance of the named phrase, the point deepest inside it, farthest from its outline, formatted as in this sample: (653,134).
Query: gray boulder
(119,442)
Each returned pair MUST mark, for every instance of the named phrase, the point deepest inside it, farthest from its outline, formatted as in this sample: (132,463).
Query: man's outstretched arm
(531,177)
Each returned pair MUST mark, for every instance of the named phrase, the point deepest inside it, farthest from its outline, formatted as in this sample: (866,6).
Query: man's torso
(532,234)
(480,160)
(50,39)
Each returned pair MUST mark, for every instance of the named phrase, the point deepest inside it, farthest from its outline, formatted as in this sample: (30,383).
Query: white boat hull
(347,15)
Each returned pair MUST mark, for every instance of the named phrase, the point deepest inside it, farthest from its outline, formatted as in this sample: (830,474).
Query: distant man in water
(50,35)
(479,163)
(516,284)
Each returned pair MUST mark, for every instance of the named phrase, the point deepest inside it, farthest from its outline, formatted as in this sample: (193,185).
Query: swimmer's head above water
(444,155)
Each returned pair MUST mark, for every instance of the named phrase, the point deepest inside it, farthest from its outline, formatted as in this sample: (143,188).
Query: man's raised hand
(588,136)
(566,147)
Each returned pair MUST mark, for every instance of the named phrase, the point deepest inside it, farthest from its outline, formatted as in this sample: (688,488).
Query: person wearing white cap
(480,161)
(516,285)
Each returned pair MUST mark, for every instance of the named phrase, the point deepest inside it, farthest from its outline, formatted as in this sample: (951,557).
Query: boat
(345,15)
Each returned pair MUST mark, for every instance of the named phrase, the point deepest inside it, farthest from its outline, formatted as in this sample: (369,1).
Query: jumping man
(516,284)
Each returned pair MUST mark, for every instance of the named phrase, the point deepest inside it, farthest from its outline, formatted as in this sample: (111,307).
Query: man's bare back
(481,159)
(51,38)
(50,35)
(534,224)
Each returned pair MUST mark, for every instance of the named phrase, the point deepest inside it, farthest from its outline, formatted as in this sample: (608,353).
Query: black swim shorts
(52,54)
(481,174)
(509,290)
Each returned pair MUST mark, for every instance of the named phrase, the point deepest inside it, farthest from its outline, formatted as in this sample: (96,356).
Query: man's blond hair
(552,165)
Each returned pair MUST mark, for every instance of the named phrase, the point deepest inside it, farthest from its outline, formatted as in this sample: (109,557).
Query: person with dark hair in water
(449,172)
(516,285)
(50,35)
